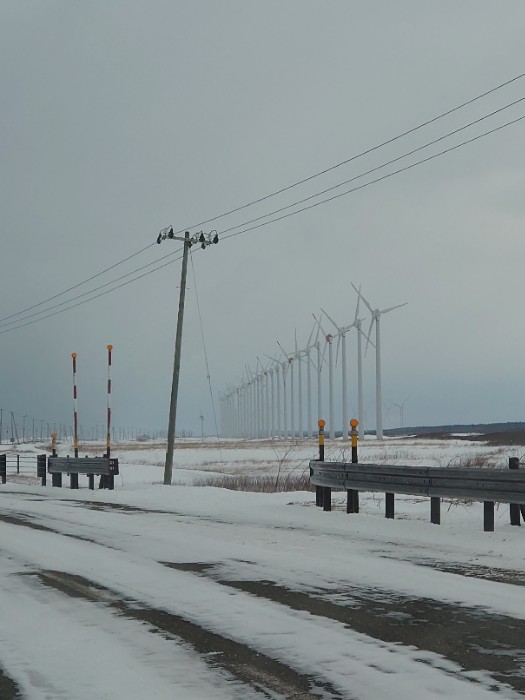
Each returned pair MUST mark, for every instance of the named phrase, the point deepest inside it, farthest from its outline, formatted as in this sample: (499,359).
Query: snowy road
(204,593)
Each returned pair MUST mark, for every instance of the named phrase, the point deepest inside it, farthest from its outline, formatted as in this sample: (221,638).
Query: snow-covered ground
(201,592)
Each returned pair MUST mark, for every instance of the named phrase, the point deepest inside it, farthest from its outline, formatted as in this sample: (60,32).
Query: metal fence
(485,485)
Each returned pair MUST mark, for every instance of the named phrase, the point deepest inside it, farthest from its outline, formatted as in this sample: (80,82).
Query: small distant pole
(108,432)
(319,490)
(75,412)
(202,428)
(352,495)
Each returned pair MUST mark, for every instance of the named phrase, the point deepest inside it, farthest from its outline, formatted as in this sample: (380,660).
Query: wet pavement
(473,638)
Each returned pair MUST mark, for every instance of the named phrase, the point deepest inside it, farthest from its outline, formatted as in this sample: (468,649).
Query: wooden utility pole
(188,242)
(168,468)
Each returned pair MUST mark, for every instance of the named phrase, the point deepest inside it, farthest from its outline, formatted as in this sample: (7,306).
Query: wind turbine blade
(324,353)
(362,297)
(330,319)
(282,349)
(356,317)
(317,335)
(271,358)
(337,350)
(310,338)
(368,341)
(391,308)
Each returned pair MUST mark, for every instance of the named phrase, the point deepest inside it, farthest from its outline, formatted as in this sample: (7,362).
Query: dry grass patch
(260,484)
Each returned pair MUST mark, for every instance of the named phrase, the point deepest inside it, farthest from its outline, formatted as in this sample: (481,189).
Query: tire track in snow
(469,637)
(244,663)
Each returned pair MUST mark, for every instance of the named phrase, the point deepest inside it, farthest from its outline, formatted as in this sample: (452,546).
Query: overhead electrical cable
(73,306)
(375,169)
(284,216)
(379,179)
(358,155)
(208,374)
(251,228)
(280,191)
(91,291)
(75,286)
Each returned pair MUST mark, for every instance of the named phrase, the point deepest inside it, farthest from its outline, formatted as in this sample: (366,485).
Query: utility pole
(188,242)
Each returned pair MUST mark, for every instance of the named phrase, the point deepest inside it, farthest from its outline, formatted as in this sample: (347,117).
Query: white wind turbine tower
(297,356)
(360,402)
(401,407)
(341,333)
(307,351)
(376,318)
(328,341)
(285,366)
(280,425)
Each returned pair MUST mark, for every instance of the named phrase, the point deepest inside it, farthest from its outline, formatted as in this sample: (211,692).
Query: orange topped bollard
(353,435)
(54,444)
(321,423)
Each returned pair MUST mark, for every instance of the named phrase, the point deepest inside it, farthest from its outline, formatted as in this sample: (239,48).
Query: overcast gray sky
(120,118)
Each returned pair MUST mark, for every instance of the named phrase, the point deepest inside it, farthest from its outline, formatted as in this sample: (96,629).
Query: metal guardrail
(82,465)
(497,485)
(484,485)
(104,467)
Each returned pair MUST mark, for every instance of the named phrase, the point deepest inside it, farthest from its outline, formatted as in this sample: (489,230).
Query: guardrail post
(488,516)
(41,463)
(319,494)
(18,464)
(352,495)
(3,468)
(56,480)
(73,481)
(389,506)
(91,482)
(515,509)
(327,498)
(435,510)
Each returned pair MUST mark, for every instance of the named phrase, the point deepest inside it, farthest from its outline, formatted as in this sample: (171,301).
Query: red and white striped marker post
(75,413)
(108,433)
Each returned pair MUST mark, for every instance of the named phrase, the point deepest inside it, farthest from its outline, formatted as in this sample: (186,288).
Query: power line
(208,375)
(358,155)
(280,218)
(73,306)
(283,189)
(79,296)
(379,179)
(75,286)
(5,321)
(376,168)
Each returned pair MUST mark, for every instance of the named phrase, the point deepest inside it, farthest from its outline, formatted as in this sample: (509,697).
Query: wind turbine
(286,365)
(341,333)
(307,351)
(328,341)
(376,318)
(401,407)
(280,431)
(360,402)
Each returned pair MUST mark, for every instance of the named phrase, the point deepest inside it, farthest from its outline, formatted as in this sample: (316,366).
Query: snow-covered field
(190,592)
